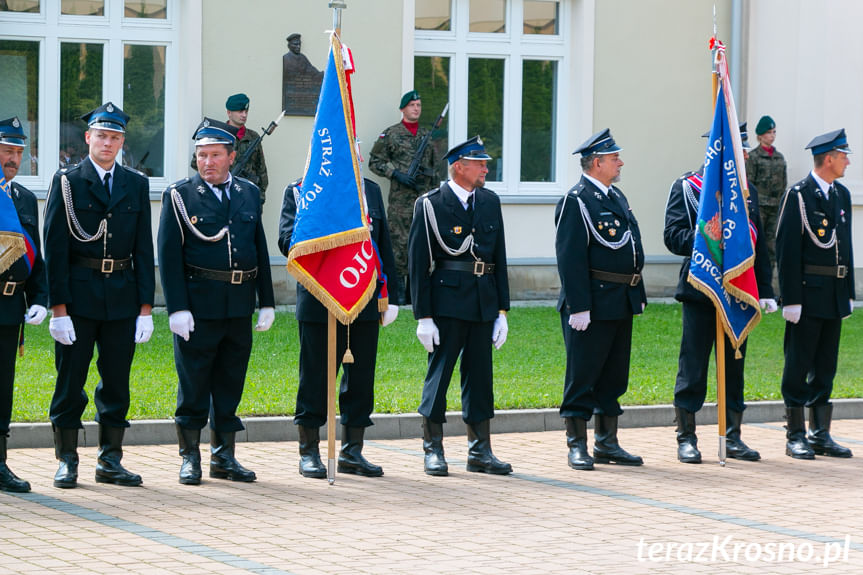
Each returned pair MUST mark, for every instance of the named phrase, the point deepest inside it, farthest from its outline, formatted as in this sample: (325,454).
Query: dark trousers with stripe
(8,349)
(212,367)
(471,340)
(356,393)
(696,343)
(811,355)
(597,367)
(115,342)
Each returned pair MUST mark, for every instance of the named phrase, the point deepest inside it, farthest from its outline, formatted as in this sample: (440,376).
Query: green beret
(408,98)
(764,124)
(237,102)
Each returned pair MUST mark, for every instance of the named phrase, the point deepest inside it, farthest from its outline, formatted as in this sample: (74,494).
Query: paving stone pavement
(775,516)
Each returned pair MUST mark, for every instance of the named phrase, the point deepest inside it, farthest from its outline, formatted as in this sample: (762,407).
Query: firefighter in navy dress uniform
(213,262)
(356,393)
(23,290)
(101,281)
(699,320)
(816,283)
(599,260)
(460,294)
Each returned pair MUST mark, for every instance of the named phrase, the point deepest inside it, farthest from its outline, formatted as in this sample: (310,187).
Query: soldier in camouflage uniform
(767,170)
(255,170)
(391,158)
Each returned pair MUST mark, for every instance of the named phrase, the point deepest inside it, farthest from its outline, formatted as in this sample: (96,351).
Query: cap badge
(479,141)
(206,124)
(110,108)
(16,123)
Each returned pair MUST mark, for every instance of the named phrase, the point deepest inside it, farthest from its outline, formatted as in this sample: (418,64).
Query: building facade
(533,77)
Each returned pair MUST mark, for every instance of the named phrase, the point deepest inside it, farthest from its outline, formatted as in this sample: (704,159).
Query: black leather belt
(10,287)
(829,271)
(477,268)
(631,280)
(106,266)
(234,277)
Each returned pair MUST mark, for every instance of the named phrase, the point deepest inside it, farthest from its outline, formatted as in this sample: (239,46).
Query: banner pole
(720,334)
(331,398)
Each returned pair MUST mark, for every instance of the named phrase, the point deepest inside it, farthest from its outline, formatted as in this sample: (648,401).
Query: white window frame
(114,31)
(513,46)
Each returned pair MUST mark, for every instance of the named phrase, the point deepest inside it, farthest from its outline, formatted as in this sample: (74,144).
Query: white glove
(428,334)
(266,317)
(579,321)
(62,330)
(768,305)
(36,314)
(390,315)
(500,331)
(792,313)
(182,323)
(143,328)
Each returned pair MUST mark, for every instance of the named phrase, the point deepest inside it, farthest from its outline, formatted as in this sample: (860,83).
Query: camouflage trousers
(400,211)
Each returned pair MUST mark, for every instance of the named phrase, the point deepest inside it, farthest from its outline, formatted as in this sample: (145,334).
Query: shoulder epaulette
(69,169)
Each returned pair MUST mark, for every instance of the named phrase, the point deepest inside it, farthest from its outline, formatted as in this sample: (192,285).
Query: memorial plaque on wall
(301,81)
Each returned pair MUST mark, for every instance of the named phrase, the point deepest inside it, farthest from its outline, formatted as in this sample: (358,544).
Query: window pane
(488,15)
(19,93)
(540,16)
(485,109)
(83,7)
(80,92)
(539,85)
(433,15)
(19,6)
(144,101)
(431,80)
(146,9)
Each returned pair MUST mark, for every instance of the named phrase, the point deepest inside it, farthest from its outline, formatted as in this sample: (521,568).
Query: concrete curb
(408,425)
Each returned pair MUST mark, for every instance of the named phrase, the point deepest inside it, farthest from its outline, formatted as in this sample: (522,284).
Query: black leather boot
(734,446)
(819,438)
(8,480)
(351,458)
(190,451)
(606,449)
(223,464)
(66,451)
(310,454)
(797,446)
(687,441)
(480,459)
(576,440)
(108,466)
(434,462)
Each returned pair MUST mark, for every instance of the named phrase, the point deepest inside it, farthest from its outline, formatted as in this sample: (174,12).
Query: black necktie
(470,206)
(221,187)
(107,182)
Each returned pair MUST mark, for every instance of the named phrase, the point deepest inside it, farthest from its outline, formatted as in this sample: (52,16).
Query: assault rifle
(415,163)
(241,163)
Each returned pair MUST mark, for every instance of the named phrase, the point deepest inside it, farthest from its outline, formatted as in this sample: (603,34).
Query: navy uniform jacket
(800,243)
(88,292)
(454,293)
(681,214)
(308,306)
(12,308)
(179,246)
(579,251)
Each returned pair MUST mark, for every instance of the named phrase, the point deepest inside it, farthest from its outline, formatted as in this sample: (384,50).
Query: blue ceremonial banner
(331,251)
(723,252)
(14,241)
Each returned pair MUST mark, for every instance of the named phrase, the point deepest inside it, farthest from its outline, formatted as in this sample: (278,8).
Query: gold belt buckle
(478,268)
(107,266)
(237,277)
(841,271)
(9,288)
(636,279)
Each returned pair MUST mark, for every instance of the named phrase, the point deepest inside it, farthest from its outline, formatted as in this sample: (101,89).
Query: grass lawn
(528,369)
